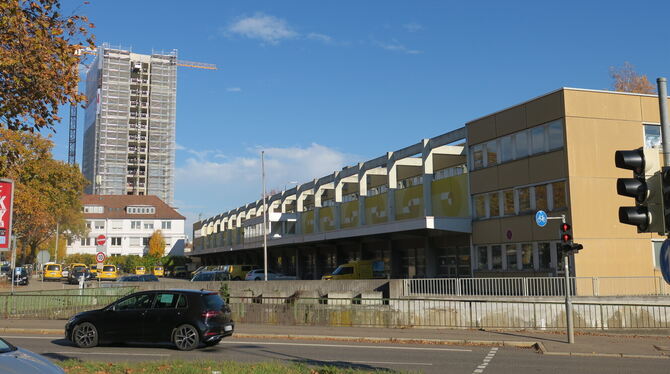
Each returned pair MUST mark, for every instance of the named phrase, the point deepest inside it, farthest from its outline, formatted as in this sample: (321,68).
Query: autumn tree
(157,244)
(39,62)
(626,79)
(46,192)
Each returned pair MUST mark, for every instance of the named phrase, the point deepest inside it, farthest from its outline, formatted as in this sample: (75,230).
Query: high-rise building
(129,128)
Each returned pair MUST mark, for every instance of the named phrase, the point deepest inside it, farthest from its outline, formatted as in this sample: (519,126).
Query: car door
(163,316)
(124,322)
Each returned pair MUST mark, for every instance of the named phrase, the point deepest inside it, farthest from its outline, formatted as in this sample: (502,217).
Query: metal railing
(57,304)
(446,313)
(536,286)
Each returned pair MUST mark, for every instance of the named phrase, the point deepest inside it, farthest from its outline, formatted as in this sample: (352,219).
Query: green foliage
(79,258)
(193,367)
(224,291)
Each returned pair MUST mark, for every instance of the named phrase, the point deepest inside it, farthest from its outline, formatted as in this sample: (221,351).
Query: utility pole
(662,84)
(56,254)
(265,225)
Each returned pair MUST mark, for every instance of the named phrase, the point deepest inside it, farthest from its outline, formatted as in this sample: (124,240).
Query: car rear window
(212,301)
(108,268)
(53,267)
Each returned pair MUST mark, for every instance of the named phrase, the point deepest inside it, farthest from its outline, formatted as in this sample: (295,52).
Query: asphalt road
(403,357)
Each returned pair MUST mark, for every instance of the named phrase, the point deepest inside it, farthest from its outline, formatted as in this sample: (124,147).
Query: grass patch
(209,367)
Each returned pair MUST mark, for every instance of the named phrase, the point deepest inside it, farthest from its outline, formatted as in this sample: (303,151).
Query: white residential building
(128,221)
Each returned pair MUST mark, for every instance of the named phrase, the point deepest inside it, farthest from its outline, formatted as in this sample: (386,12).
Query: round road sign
(100,257)
(541,218)
(100,240)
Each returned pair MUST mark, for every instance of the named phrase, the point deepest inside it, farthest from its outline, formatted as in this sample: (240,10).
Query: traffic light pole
(568,300)
(665,124)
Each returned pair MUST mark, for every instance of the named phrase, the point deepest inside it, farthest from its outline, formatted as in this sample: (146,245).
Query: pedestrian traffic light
(645,187)
(567,244)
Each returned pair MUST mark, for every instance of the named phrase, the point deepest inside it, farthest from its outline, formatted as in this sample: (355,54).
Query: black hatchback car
(186,318)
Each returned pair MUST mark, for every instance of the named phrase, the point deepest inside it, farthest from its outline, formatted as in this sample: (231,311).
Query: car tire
(85,335)
(213,342)
(186,338)
(237,278)
(257,278)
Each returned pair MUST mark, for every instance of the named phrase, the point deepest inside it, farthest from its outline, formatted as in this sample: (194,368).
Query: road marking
(110,353)
(350,346)
(486,361)
(33,337)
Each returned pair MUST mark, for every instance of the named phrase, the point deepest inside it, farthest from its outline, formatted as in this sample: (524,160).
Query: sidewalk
(620,344)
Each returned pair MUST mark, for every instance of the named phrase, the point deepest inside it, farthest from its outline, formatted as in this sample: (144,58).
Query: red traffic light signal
(566,235)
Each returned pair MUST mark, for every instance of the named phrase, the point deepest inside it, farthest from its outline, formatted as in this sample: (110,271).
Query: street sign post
(6,213)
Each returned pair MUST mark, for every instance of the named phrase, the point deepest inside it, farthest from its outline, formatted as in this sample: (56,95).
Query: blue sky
(323,84)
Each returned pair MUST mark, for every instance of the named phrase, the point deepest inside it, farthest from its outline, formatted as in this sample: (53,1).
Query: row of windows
(521,200)
(537,256)
(94,209)
(141,210)
(116,241)
(536,140)
(134,225)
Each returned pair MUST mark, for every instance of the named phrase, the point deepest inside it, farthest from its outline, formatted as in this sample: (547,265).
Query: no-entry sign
(100,240)
(6,204)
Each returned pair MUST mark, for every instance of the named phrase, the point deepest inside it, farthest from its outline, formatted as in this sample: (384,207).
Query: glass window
(496,256)
(165,301)
(142,301)
(480,207)
(524,199)
(135,225)
(657,253)
(482,258)
(478,156)
(166,225)
(544,255)
(527,256)
(116,241)
(652,136)
(559,195)
(510,253)
(99,225)
(506,149)
(494,204)
(145,240)
(181,303)
(555,137)
(520,145)
(537,139)
(148,225)
(491,153)
(541,197)
(508,202)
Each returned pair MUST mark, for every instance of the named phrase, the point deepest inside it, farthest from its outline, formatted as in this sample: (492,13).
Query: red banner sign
(6,203)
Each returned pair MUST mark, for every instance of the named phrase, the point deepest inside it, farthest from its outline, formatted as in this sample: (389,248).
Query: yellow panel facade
(512,174)
(307,221)
(349,214)
(481,130)
(544,109)
(450,197)
(483,180)
(409,202)
(650,109)
(546,167)
(510,120)
(375,209)
(591,104)
(486,232)
(327,219)
(516,229)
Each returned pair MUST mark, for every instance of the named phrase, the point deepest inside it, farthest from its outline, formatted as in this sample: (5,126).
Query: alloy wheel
(186,337)
(85,335)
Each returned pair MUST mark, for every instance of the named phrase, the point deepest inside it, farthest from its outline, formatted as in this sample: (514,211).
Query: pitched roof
(115,207)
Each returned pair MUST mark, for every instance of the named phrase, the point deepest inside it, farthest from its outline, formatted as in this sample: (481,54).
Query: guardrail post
(525,286)
(458,286)
(595,281)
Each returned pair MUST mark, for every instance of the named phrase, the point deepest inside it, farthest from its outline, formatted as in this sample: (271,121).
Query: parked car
(18,360)
(179,272)
(139,270)
(210,276)
(52,272)
(93,269)
(258,274)
(362,269)
(77,272)
(109,272)
(158,271)
(238,272)
(65,272)
(21,276)
(186,318)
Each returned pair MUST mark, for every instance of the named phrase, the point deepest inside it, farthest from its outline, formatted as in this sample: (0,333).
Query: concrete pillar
(362,193)
(317,207)
(428,174)
(392,170)
(339,185)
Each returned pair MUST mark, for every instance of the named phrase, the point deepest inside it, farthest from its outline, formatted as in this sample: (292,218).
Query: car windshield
(53,267)
(212,301)
(343,270)
(108,268)
(79,268)
(5,346)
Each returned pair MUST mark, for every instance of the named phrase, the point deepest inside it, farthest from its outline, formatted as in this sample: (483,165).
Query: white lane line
(110,354)
(348,346)
(486,361)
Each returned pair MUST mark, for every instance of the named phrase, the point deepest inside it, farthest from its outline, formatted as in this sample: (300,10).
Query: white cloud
(213,185)
(267,28)
(179,147)
(320,37)
(412,27)
(395,46)
(233,89)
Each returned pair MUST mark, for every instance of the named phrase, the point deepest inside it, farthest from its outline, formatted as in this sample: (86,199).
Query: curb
(17,330)
(611,355)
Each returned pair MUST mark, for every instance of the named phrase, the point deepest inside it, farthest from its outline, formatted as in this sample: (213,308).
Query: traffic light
(645,187)
(567,245)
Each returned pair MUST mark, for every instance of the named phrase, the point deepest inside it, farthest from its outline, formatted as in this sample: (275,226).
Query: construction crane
(72,146)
